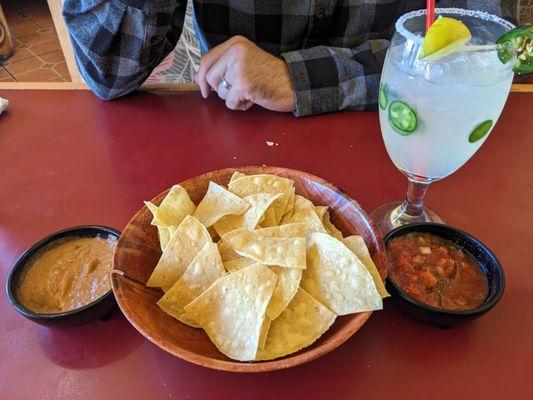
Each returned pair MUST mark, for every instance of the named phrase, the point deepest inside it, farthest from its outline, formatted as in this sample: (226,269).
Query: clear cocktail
(435,115)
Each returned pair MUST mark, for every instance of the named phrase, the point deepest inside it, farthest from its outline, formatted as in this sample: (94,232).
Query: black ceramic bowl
(101,308)
(438,316)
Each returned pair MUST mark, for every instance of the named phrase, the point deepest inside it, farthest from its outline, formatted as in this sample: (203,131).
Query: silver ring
(224,83)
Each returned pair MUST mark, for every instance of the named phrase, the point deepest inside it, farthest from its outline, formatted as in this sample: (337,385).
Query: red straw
(430,14)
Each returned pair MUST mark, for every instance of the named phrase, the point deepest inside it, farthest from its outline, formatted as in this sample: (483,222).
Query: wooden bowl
(138,251)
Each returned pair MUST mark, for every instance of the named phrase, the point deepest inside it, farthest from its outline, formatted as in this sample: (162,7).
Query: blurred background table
(68,158)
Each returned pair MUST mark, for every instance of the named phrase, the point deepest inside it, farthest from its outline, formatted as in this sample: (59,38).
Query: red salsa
(436,271)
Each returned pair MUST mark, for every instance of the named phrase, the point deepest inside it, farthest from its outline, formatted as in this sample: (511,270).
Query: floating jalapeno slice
(522,39)
(383,97)
(402,117)
(480,131)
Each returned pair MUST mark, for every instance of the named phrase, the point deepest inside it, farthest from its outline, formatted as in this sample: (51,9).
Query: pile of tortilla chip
(260,268)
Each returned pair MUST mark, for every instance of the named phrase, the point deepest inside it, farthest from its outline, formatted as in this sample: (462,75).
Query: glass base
(389,216)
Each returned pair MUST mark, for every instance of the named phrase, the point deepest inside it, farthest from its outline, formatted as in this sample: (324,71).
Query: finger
(222,91)
(207,62)
(216,74)
(234,100)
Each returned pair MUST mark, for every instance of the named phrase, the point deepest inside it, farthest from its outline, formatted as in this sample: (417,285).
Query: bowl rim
(290,360)
(485,306)
(23,258)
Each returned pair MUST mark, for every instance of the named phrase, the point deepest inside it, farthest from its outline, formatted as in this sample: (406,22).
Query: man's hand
(254,76)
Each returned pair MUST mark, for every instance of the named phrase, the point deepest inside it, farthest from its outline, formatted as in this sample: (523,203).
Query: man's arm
(329,79)
(117,43)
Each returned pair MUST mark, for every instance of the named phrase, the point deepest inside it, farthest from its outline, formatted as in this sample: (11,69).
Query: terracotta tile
(61,68)
(41,16)
(29,64)
(60,79)
(67,78)
(45,47)
(8,79)
(49,25)
(31,8)
(53,57)
(10,12)
(19,54)
(4,73)
(39,75)
(18,21)
(24,29)
(34,38)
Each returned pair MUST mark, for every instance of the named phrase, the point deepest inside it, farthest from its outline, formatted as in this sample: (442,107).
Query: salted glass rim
(406,33)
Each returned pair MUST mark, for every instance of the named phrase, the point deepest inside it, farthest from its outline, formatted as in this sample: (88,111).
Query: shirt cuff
(315,80)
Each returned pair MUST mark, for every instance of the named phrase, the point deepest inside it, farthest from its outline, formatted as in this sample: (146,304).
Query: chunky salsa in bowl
(441,274)
(437,271)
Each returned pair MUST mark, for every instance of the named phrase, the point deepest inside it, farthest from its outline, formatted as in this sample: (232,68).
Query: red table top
(67,158)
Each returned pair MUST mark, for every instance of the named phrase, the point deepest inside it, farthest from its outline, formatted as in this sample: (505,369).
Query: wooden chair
(56,6)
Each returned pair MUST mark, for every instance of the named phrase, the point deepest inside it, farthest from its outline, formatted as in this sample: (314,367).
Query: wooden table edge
(519,87)
(84,86)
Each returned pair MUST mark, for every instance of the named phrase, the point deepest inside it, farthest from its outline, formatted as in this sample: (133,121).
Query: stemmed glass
(435,115)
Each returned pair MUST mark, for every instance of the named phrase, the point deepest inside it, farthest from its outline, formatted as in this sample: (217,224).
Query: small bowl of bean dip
(442,275)
(64,279)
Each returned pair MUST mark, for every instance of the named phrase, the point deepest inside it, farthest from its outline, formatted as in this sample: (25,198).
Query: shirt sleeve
(329,79)
(117,43)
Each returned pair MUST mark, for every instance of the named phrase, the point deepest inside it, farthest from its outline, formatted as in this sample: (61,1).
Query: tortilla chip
(335,277)
(285,252)
(164,233)
(285,289)
(286,285)
(190,237)
(259,203)
(264,332)
(238,263)
(232,310)
(280,205)
(357,245)
(218,202)
(204,269)
(286,231)
(226,251)
(290,205)
(154,210)
(264,183)
(321,210)
(236,175)
(330,228)
(300,325)
(173,209)
(304,211)
(269,218)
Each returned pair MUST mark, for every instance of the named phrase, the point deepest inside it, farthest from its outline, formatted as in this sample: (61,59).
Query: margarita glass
(435,115)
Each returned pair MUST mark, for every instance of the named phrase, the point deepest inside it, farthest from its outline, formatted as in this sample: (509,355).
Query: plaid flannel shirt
(334,49)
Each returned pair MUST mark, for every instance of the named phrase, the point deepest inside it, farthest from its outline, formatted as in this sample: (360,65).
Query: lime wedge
(445,36)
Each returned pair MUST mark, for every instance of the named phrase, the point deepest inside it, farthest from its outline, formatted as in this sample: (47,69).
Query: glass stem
(414,201)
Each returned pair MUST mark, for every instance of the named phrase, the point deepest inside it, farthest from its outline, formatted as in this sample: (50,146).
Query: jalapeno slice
(402,117)
(522,39)
(383,97)
(480,131)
